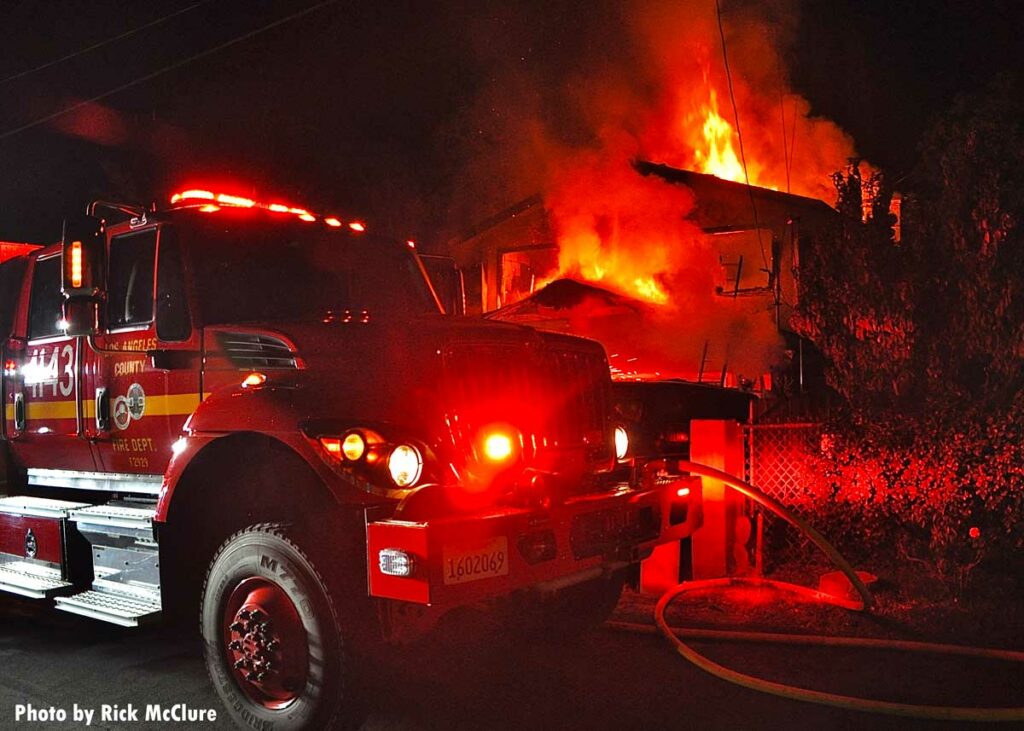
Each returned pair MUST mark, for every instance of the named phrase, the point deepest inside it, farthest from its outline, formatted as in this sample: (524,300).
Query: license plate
(479,562)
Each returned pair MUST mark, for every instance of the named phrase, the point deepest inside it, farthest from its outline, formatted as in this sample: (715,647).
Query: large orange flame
(619,229)
(713,150)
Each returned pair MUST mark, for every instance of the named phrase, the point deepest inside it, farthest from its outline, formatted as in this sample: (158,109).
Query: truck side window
(172,322)
(130,289)
(45,303)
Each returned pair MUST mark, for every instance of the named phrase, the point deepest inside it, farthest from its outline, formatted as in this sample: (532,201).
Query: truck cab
(263,412)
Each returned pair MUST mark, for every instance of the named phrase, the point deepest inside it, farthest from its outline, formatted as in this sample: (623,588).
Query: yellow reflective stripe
(177,404)
(51,410)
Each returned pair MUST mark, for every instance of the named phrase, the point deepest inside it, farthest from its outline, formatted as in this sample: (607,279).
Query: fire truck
(262,413)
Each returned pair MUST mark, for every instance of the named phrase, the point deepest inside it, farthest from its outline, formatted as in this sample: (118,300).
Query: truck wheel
(568,613)
(272,636)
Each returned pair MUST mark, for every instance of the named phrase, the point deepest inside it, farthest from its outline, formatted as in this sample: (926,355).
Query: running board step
(33,581)
(115,516)
(38,507)
(126,610)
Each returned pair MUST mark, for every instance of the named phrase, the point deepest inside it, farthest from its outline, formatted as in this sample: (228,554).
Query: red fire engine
(261,412)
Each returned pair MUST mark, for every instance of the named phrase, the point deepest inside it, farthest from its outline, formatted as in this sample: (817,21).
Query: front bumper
(463,559)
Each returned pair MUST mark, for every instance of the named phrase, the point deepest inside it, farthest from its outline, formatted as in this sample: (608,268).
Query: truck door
(45,410)
(145,369)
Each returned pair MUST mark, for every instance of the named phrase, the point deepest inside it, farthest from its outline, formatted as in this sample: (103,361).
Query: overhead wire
(782,109)
(105,42)
(739,136)
(785,138)
(165,69)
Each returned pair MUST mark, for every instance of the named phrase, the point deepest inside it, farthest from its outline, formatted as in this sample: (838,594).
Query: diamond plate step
(35,582)
(38,507)
(117,516)
(121,609)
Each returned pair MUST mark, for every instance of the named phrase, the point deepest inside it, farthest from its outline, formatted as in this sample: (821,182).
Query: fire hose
(676,635)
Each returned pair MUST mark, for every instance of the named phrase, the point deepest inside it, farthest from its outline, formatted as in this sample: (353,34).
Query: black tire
(567,614)
(264,555)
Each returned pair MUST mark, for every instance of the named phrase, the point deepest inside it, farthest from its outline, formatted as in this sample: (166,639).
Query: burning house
(658,228)
(743,253)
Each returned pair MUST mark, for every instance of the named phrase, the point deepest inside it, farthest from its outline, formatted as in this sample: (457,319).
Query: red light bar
(203,195)
(216,200)
(234,200)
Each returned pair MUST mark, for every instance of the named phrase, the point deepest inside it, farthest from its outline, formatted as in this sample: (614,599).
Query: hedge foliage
(923,339)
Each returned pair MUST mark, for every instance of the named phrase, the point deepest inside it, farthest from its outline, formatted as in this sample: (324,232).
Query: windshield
(253,269)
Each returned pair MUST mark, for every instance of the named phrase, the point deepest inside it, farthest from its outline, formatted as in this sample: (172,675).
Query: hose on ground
(675,635)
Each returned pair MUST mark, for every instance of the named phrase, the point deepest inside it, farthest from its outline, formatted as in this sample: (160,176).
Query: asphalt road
(467,676)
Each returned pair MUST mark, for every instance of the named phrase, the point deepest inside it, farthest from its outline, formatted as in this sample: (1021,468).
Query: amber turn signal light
(253,380)
(353,446)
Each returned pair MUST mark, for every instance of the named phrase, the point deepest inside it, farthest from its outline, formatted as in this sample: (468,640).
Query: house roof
(725,204)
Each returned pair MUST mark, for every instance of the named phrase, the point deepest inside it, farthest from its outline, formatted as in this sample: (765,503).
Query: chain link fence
(779,461)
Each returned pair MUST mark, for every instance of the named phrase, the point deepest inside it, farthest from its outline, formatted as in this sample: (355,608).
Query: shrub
(924,340)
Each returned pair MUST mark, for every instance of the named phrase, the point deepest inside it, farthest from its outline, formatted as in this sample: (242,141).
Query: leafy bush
(924,341)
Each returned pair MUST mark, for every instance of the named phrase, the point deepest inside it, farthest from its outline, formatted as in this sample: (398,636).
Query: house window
(746,262)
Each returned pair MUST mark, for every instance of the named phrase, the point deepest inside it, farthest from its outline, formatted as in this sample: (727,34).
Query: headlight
(353,446)
(405,465)
(621,443)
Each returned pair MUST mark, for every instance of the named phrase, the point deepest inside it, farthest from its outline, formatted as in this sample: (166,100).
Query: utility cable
(106,42)
(785,137)
(165,69)
(739,135)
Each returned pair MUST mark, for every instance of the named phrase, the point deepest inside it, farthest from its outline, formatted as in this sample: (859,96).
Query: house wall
(723,208)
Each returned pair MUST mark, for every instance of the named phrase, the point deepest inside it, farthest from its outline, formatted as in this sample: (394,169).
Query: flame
(717,156)
(674,103)
(650,290)
(619,229)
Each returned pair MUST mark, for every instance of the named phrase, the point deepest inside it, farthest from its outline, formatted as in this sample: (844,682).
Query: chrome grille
(558,397)
(252,350)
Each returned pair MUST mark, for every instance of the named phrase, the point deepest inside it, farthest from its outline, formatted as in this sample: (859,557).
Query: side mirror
(83,273)
(80,316)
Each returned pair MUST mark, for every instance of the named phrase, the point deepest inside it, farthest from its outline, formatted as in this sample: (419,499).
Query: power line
(164,70)
(739,136)
(100,44)
(785,138)
(782,109)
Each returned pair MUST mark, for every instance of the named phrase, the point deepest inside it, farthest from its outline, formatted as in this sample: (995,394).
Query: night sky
(370,109)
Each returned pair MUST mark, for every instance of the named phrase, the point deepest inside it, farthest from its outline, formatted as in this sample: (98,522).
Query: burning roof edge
(706,188)
(501,216)
(701,183)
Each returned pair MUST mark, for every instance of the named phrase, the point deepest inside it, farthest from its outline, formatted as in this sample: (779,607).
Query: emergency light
(210,202)
(83,253)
